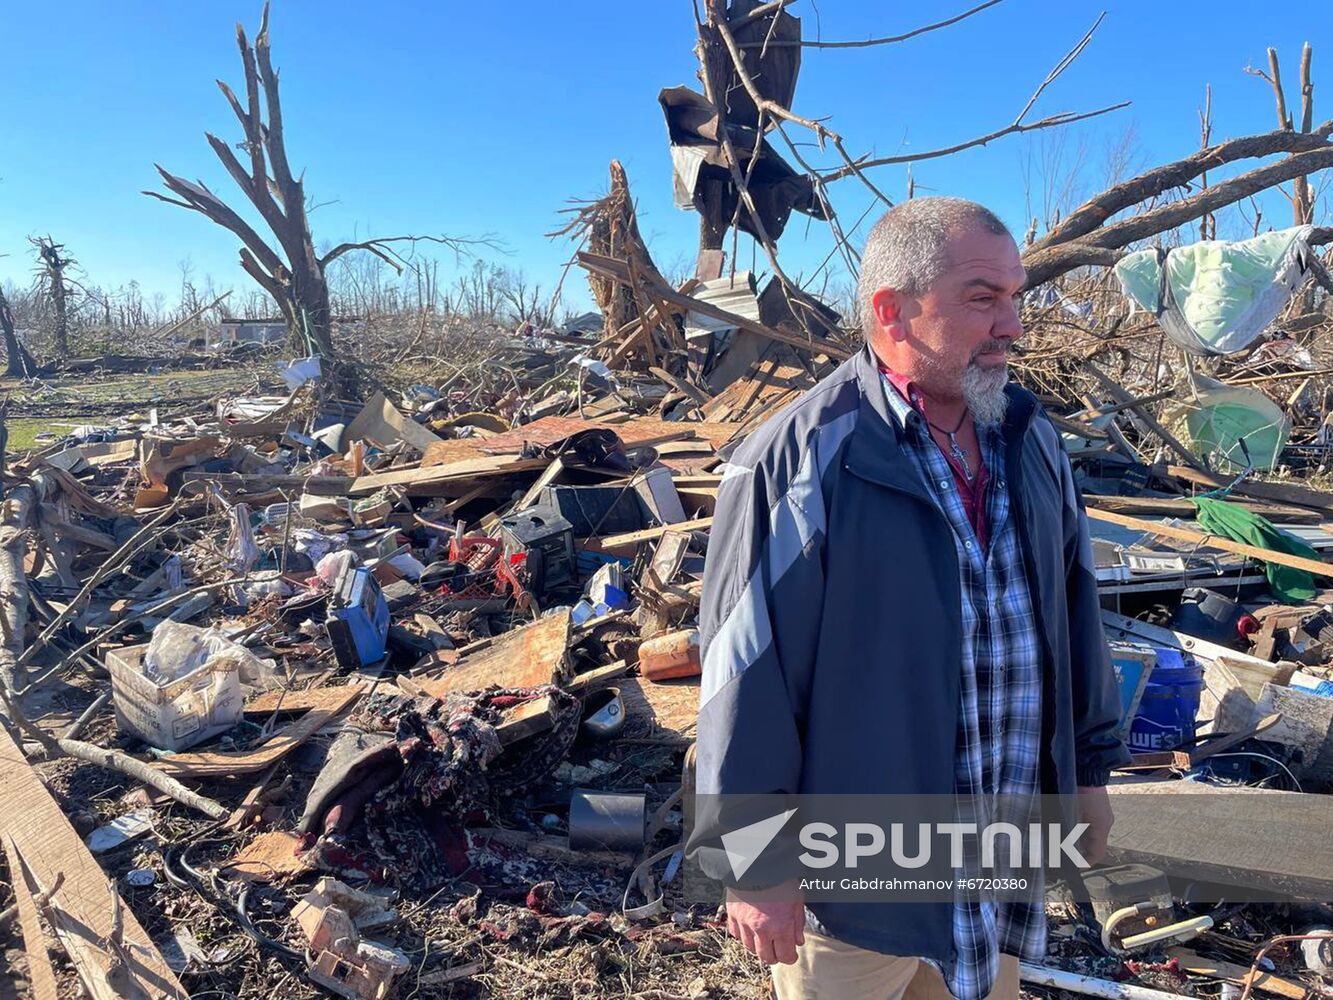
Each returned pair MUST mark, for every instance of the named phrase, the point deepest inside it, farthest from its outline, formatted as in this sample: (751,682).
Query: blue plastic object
(1165,718)
(358,622)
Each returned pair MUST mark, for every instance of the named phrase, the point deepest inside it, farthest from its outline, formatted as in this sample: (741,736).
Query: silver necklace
(955,449)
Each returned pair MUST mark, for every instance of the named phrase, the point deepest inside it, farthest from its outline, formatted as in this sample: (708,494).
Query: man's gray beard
(983,391)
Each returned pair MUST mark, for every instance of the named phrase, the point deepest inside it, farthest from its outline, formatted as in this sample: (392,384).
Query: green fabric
(1240,525)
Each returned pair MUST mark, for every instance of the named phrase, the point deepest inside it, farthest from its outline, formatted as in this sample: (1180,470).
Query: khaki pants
(826,969)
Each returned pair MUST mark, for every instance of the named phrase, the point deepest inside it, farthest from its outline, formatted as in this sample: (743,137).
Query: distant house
(231,332)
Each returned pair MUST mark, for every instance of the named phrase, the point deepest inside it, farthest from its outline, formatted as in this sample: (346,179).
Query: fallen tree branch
(1044,264)
(1096,210)
(113,760)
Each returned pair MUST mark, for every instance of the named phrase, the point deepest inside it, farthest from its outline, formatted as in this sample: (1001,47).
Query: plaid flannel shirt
(999,731)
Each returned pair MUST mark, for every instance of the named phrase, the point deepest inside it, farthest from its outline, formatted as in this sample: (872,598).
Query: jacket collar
(875,449)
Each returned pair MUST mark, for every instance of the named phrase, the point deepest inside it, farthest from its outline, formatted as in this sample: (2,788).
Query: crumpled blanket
(416,771)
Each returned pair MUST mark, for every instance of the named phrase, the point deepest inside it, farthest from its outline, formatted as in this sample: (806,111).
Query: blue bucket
(1165,719)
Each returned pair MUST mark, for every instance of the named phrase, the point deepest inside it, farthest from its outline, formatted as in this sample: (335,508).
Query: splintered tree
(52,263)
(19,363)
(285,265)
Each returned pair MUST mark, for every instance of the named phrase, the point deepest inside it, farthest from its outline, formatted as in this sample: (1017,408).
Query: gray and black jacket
(831,625)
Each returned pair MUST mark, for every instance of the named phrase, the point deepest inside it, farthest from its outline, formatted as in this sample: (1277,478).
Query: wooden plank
(1192,961)
(215,764)
(236,482)
(295,701)
(380,421)
(468,471)
(526,657)
(1180,507)
(682,387)
(629,540)
(548,431)
(535,716)
(672,707)
(1317,567)
(1274,843)
(83,910)
(41,976)
(1301,496)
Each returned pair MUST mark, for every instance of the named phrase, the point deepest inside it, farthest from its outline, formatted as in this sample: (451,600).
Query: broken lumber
(1074,983)
(530,656)
(86,909)
(1192,962)
(41,976)
(330,703)
(467,473)
(1207,540)
(1205,832)
(1289,493)
(630,540)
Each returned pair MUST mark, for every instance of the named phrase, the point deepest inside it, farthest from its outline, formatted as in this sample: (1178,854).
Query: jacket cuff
(1092,775)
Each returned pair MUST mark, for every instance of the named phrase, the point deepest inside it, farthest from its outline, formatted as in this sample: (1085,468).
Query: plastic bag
(177,650)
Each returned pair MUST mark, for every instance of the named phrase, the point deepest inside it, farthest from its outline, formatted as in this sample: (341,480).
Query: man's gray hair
(905,250)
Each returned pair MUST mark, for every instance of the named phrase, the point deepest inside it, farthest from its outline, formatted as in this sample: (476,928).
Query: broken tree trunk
(17,518)
(53,264)
(19,363)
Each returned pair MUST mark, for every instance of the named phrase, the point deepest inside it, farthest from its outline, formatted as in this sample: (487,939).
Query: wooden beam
(469,472)
(1317,567)
(1301,496)
(1181,507)
(526,657)
(631,539)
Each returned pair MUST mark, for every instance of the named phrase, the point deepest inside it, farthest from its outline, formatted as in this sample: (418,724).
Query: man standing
(900,599)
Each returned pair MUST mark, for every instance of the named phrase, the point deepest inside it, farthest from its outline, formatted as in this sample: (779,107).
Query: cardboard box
(174,716)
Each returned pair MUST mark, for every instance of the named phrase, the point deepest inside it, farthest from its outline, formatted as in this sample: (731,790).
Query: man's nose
(1008,325)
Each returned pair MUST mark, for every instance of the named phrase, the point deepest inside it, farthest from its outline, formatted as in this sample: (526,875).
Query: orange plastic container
(669,656)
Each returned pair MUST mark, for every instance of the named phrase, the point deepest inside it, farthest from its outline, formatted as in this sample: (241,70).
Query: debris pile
(444,644)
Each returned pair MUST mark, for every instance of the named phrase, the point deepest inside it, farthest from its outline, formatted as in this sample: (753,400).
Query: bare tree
(286,266)
(52,263)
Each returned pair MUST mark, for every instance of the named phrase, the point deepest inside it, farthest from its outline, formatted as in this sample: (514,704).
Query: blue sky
(473,119)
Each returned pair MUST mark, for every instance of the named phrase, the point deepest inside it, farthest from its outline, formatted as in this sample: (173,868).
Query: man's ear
(888,308)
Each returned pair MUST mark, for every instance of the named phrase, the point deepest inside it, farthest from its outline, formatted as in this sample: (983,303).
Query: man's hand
(771,923)
(1094,808)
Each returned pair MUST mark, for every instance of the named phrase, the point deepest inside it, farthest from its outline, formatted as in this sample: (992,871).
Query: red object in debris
(675,654)
(1247,625)
(541,898)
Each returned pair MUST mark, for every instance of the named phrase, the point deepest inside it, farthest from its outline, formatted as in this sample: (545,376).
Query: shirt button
(944,484)
(968,546)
